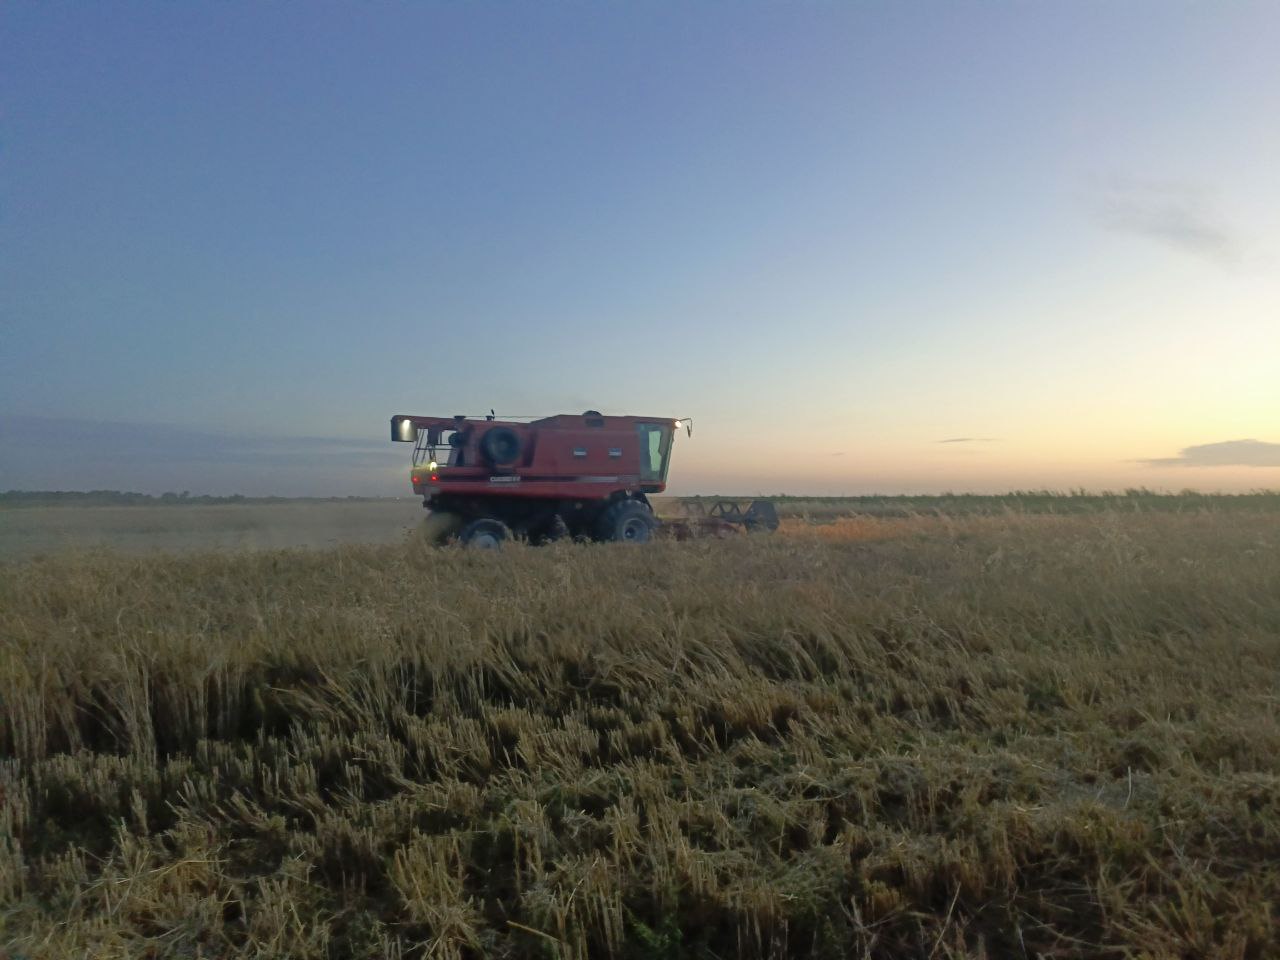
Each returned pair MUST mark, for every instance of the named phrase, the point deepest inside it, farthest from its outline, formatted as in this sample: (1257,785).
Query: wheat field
(924,737)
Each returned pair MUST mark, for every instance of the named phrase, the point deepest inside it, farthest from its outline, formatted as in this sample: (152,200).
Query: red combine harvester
(585,476)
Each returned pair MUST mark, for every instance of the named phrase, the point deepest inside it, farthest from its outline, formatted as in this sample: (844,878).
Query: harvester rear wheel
(440,527)
(627,521)
(484,534)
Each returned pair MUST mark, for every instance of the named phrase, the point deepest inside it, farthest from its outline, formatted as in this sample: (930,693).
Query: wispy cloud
(969,440)
(1228,453)
(1180,216)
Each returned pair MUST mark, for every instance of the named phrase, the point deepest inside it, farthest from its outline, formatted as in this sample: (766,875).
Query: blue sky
(834,234)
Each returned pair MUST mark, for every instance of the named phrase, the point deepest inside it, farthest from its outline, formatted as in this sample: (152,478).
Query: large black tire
(484,534)
(555,529)
(627,521)
(500,447)
(440,527)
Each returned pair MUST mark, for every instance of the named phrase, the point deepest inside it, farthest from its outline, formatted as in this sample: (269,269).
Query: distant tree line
(1016,501)
(1137,499)
(118,498)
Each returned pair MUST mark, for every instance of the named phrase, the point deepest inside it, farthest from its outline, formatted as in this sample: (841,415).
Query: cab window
(655,444)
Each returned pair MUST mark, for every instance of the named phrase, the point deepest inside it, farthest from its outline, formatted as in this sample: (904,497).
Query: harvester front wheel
(627,521)
(440,527)
(484,534)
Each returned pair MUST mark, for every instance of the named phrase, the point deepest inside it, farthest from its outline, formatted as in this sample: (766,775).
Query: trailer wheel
(627,521)
(761,516)
(484,534)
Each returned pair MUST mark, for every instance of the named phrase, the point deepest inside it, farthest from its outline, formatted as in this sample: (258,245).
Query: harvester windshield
(655,450)
(437,445)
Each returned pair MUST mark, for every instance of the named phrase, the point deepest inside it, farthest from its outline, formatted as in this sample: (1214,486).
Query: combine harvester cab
(586,476)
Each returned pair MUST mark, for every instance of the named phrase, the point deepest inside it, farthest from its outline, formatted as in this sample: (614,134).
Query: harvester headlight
(403,430)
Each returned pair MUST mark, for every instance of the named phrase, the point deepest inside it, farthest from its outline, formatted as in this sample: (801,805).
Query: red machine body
(564,474)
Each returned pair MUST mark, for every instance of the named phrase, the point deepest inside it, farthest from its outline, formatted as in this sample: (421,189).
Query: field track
(932,737)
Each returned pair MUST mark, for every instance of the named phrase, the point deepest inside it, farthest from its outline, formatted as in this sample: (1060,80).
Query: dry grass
(991,737)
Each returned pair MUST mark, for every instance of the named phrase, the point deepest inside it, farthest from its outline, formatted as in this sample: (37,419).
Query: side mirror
(403,430)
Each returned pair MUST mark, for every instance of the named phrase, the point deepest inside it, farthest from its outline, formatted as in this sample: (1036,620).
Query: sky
(867,247)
